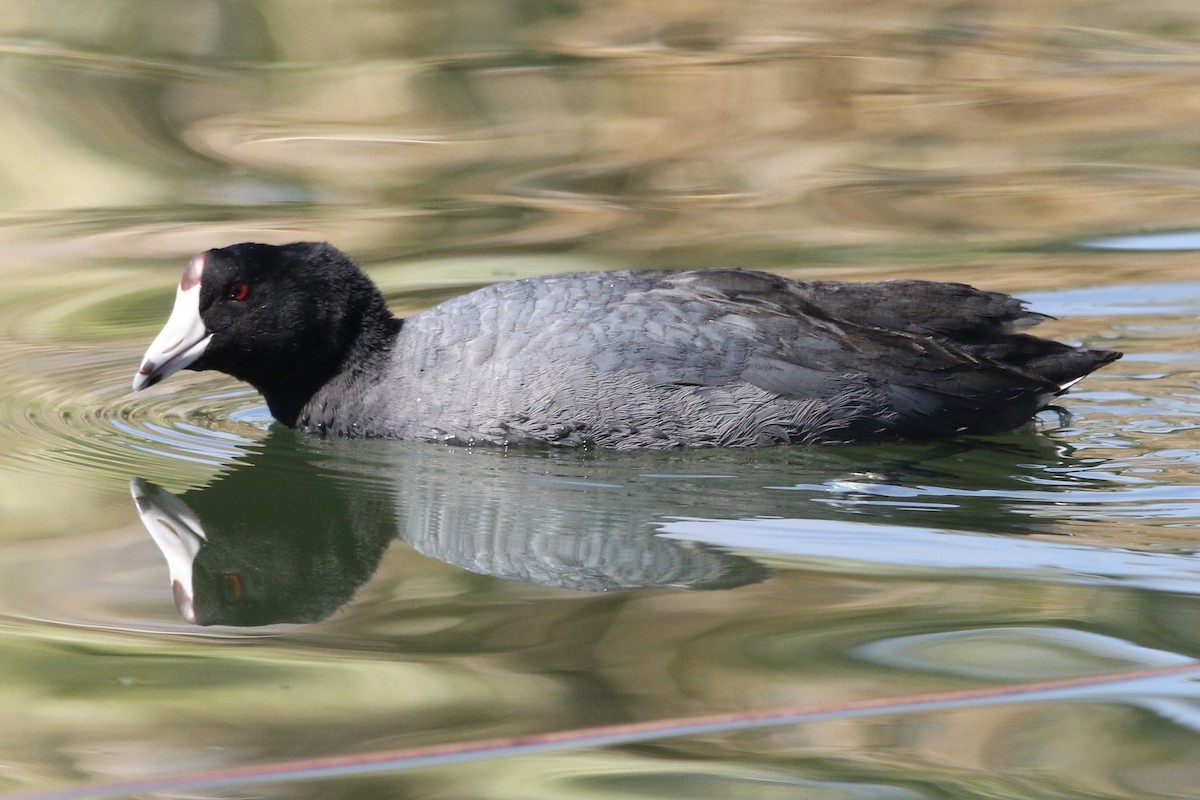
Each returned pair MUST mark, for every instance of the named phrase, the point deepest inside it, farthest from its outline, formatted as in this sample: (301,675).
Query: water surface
(354,597)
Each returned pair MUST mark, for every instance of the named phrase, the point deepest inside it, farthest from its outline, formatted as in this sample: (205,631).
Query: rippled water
(358,597)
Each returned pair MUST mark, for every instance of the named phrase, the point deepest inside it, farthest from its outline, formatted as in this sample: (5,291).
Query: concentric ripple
(67,409)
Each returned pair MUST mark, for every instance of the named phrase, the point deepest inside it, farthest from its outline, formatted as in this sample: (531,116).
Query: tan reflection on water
(766,127)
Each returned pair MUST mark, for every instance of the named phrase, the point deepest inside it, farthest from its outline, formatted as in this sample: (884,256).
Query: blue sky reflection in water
(390,595)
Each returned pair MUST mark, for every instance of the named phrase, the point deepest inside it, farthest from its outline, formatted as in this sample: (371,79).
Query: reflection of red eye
(239,290)
(232,586)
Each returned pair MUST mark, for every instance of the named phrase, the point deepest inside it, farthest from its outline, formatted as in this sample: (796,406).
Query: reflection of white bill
(178,534)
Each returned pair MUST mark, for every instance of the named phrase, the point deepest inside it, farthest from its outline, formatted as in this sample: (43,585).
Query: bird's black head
(285,319)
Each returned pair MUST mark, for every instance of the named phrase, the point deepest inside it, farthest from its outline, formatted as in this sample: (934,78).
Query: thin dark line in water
(605,736)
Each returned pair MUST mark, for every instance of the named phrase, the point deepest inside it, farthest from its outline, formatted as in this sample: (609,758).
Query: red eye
(239,290)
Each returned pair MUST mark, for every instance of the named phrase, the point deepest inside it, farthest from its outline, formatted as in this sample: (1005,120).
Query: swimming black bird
(633,359)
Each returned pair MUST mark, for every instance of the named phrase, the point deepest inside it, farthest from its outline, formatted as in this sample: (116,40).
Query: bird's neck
(319,397)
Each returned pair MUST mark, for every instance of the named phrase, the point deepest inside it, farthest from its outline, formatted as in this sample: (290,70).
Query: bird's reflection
(290,535)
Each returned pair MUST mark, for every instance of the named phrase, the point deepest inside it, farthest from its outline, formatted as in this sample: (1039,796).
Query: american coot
(656,359)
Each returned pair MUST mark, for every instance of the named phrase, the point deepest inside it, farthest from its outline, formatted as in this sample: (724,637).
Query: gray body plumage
(704,358)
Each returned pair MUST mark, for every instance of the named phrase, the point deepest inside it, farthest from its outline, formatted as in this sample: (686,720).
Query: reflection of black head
(284,557)
(283,541)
